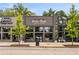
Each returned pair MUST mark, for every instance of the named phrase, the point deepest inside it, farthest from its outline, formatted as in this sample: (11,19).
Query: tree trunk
(72,41)
(19,40)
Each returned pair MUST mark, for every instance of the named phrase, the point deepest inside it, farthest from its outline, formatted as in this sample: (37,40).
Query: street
(38,51)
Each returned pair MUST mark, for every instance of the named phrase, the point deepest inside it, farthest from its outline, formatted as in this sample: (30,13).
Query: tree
(62,17)
(70,28)
(45,13)
(1,12)
(61,13)
(23,11)
(17,8)
(9,12)
(50,12)
(19,30)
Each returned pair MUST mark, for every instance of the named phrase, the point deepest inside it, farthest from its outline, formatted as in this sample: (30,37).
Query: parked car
(77,39)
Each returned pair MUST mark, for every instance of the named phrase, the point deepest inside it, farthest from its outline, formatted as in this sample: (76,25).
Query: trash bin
(37,41)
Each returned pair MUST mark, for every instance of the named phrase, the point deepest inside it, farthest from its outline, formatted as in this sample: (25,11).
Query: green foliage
(61,13)
(45,13)
(19,9)
(19,29)
(50,12)
(71,23)
(15,10)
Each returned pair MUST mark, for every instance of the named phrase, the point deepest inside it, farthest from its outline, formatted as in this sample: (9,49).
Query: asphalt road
(38,51)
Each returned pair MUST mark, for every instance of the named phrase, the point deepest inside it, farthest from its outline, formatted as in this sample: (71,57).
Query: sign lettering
(5,21)
(39,21)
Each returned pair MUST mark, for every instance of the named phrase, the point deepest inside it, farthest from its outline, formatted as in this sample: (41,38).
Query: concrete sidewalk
(41,43)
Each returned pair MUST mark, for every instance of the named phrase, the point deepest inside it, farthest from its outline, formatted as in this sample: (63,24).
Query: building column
(1,33)
(11,34)
(54,27)
(34,33)
(43,34)
(52,34)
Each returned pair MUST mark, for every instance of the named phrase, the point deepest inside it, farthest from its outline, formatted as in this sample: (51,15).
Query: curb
(28,46)
(41,46)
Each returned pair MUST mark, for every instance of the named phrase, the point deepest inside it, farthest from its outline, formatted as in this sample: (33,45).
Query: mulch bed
(46,47)
(27,45)
(71,46)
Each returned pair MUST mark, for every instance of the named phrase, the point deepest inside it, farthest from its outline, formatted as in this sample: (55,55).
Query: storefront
(43,27)
(6,24)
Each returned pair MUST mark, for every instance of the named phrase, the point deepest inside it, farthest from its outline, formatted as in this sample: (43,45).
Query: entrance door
(39,36)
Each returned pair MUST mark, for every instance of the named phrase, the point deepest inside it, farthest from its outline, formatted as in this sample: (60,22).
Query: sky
(39,8)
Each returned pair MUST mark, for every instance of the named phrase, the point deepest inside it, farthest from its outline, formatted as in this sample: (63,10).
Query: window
(6,36)
(60,28)
(6,29)
(29,37)
(60,34)
(48,36)
(29,29)
(38,29)
(0,29)
(48,29)
(0,36)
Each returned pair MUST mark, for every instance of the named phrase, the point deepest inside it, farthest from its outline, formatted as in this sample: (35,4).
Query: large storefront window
(48,37)
(0,29)
(60,33)
(6,36)
(48,29)
(29,29)
(29,37)
(39,29)
(60,28)
(0,36)
(6,29)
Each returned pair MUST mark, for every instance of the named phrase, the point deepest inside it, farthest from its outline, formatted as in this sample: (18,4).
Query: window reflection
(60,28)
(0,36)
(29,29)
(0,29)
(48,29)
(38,29)
(60,34)
(48,36)
(6,29)
(6,36)
(29,37)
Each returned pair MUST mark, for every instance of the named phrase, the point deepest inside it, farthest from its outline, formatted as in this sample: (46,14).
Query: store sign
(39,21)
(5,20)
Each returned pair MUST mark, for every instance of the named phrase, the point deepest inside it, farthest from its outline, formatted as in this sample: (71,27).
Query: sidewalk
(33,44)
